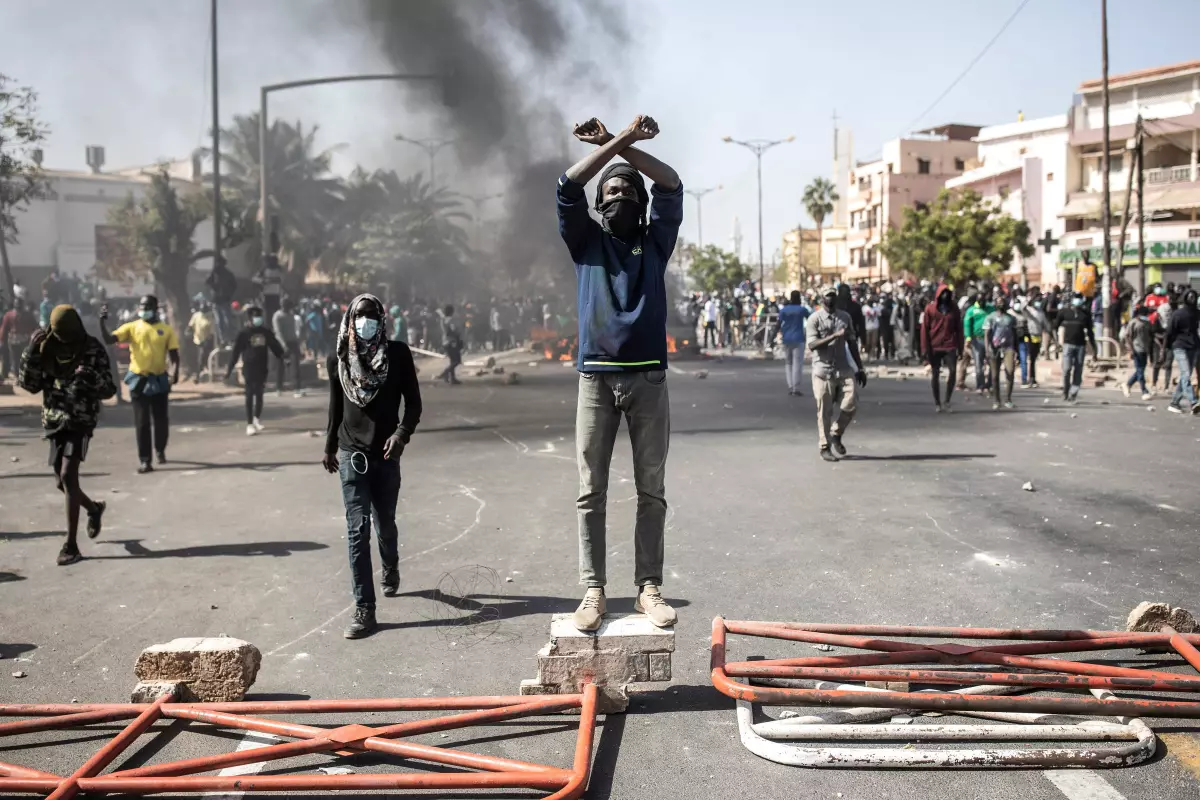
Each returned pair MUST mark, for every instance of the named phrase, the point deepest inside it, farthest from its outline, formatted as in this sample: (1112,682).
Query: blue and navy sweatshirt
(622,292)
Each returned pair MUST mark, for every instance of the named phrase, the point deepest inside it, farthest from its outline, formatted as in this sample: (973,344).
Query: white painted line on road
(1082,784)
(250,741)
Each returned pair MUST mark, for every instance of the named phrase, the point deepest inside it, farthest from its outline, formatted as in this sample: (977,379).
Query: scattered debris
(497,370)
(787,713)
(18,674)
(14,459)
(1104,402)
(508,580)
(1028,486)
(1046,401)
(335,770)
(1151,617)
(512,379)
(1073,416)
(824,648)
(491,362)
(479,373)
(534,363)
(1151,408)
(729,406)
(1043,435)
(213,607)
(701,374)
(315,434)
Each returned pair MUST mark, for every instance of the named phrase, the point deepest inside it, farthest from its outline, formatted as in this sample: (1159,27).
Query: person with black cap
(72,372)
(620,266)
(253,346)
(152,344)
(837,372)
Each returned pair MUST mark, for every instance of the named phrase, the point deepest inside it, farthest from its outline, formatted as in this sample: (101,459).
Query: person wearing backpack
(1000,337)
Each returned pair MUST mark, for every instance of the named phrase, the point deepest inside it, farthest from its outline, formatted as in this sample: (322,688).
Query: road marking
(1082,784)
(250,741)
(1185,749)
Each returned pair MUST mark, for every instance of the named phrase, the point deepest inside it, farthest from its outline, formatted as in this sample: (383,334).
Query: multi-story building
(802,256)
(1168,100)
(1022,168)
(62,230)
(910,171)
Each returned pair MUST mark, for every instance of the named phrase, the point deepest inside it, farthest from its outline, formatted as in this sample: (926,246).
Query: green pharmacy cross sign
(1178,250)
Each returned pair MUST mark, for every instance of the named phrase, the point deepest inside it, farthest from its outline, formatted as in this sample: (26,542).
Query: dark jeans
(1033,349)
(887,335)
(373,493)
(979,353)
(1185,360)
(254,398)
(1003,360)
(1163,361)
(291,351)
(147,410)
(711,337)
(1139,370)
(1072,368)
(938,359)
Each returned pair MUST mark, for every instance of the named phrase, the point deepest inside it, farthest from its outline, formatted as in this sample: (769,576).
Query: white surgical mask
(1077,301)
(256,320)
(147,315)
(366,328)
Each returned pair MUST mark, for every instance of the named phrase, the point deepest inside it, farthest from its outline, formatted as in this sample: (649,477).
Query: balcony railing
(1181,174)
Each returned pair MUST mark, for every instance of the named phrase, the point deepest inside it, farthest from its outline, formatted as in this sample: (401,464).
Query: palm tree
(819,197)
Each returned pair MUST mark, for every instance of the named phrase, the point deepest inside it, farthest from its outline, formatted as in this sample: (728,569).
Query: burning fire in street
(671,344)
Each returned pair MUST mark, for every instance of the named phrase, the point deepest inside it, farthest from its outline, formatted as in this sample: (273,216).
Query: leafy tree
(153,237)
(21,178)
(713,269)
(819,197)
(414,242)
(958,237)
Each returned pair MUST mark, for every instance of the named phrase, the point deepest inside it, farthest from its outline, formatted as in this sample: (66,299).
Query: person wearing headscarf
(72,372)
(620,267)
(370,378)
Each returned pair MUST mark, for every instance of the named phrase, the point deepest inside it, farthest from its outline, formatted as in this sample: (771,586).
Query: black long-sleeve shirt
(365,430)
(252,346)
(1181,330)
(1076,325)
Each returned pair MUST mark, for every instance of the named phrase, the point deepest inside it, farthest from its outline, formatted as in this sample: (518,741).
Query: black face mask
(829,303)
(622,216)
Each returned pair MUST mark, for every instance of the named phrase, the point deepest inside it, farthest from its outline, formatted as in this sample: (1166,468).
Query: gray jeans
(793,364)
(1072,368)
(603,398)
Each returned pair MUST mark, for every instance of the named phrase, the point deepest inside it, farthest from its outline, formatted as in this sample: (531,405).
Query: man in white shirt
(711,310)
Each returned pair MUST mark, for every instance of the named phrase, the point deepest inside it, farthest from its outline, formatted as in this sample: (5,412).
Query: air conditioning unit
(95,158)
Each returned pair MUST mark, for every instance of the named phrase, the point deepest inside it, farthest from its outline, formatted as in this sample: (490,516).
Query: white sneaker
(251,430)
(1125,389)
(257,424)
(1146,395)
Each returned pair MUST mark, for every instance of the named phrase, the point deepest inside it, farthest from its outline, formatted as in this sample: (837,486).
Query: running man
(72,372)
(252,346)
(620,266)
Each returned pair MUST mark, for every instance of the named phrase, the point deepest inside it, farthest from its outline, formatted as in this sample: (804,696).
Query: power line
(908,128)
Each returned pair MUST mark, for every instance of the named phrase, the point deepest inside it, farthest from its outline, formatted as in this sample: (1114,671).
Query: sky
(132,76)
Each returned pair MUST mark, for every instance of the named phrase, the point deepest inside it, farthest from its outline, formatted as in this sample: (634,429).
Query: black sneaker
(835,443)
(93,524)
(161,457)
(145,467)
(390,581)
(68,555)
(828,456)
(363,624)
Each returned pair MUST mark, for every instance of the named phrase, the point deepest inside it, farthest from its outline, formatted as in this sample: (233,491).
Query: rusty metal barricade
(891,659)
(486,772)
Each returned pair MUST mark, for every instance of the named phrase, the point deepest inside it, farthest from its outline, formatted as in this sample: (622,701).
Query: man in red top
(16,328)
(942,339)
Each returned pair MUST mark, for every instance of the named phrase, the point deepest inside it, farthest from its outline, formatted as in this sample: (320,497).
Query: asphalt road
(927,524)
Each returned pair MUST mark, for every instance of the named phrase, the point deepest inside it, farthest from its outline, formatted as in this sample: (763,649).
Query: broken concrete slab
(1150,617)
(625,650)
(212,669)
(149,691)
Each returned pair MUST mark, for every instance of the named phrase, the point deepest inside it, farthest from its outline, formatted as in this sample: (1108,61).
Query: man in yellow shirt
(201,328)
(152,343)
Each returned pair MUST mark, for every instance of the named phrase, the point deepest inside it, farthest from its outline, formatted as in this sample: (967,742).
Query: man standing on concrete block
(620,265)
(369,377)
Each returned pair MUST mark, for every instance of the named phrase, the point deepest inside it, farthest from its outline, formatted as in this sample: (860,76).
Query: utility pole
(431,148)
(216,142)
(1131,155)
(698,194)
(1106,210)
(1141,218)
(758,147)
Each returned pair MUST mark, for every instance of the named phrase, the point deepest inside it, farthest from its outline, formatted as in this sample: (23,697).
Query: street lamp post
(478,200)
(265,91)
(758,147)
(431,148)
(699,195)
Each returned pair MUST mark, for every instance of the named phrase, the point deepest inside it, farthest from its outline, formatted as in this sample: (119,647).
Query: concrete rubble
(626,650)
(206,669)
(1151,617)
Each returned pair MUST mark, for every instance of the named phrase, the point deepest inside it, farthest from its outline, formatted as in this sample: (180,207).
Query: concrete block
(212,669)
(603,667)
(634,634)
(891,686)
(1151,617)
(660,666)
(532,686)
(149,691)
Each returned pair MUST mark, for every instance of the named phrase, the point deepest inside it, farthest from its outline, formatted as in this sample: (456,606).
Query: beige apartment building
(1168,100)
(909,172)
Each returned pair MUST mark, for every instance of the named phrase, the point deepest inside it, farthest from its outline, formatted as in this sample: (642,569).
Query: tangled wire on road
(464,607)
